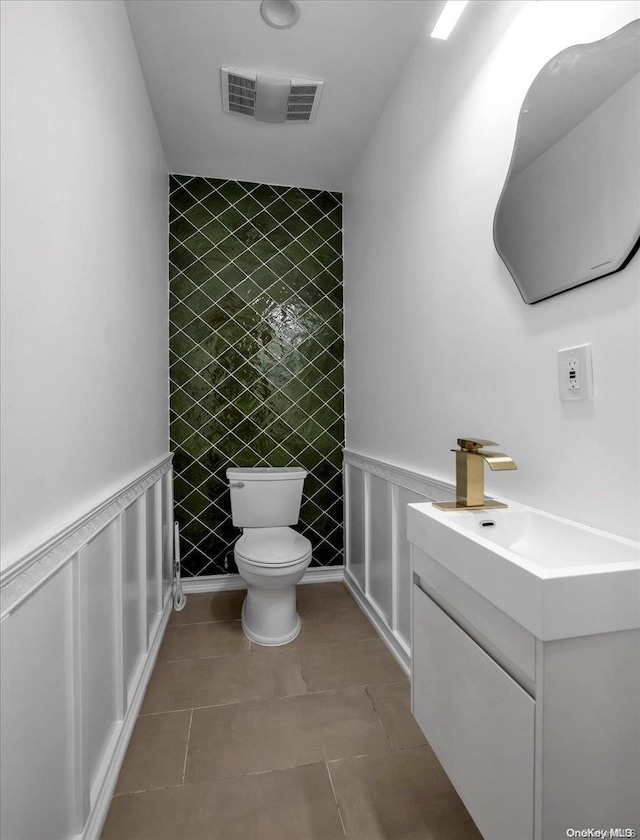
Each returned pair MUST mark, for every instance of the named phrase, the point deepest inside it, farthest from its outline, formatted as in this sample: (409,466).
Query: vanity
(526,667)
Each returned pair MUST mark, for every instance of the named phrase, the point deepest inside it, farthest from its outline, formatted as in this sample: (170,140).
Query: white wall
(438,341)
(84,254)
(84,410)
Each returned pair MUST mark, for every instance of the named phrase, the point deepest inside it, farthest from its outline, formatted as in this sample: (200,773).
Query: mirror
(569,211)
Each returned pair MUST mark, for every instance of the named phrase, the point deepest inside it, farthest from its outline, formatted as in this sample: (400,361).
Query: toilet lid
(272,546)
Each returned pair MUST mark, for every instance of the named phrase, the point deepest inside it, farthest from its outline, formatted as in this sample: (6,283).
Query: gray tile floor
(307,741)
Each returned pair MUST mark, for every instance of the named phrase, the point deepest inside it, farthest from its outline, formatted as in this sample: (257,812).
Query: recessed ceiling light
(281,14)
(449,16)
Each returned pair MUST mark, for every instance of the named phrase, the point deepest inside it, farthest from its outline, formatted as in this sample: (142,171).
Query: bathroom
(377,326)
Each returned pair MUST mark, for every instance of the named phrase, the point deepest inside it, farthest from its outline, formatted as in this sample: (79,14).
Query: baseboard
(326,575)
(220,583)
(98,815)
(212,583)
(393,642)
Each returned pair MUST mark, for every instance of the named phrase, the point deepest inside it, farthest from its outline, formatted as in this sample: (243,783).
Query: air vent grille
(242,94)
(303,90)
(240,88)
(300,102)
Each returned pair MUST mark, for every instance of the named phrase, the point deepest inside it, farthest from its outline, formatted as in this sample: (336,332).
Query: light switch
(575,375)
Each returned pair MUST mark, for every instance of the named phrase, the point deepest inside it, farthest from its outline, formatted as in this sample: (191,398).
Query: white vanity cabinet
(478,720)
(537,737)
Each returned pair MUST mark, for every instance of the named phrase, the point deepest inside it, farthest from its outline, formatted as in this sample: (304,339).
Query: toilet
(271,557)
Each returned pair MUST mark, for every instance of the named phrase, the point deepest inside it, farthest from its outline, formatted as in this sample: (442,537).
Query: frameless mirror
(569,211)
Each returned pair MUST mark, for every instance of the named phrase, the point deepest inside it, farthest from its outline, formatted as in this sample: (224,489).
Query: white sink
(555,577)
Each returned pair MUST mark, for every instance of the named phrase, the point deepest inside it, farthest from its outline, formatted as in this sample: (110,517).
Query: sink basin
(552,545)
(555,577)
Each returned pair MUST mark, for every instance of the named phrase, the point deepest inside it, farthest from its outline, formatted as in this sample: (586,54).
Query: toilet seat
(272,547)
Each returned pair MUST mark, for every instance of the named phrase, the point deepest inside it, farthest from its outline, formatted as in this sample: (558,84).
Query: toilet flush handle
(237,485)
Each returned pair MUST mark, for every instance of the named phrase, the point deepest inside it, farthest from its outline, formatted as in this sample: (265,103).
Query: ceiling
(357,47)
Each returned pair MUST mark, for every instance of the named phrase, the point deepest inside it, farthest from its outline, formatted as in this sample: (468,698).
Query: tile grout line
(304,682)
(269,652)
(260,649)
(186,752)
(335,799)
(375,711)
(175,625)
(279,390)
(279,252)
(213,780)
(306,693)
(247,219)
(243,775)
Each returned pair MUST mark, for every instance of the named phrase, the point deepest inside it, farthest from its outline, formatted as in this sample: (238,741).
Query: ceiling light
(448,19)
(281,14)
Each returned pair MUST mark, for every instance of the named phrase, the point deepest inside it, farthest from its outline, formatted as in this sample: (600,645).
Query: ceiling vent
(274,99)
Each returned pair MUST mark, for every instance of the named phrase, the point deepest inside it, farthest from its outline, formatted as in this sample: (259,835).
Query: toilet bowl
(271,557)
(271,564)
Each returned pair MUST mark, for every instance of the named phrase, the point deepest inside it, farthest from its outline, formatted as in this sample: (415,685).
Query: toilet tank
(265,497)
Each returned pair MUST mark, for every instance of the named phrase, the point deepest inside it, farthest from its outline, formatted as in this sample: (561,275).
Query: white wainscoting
(82,618)
(378,557)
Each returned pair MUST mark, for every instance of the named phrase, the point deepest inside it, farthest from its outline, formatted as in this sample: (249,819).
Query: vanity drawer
(505,641)
(478,720)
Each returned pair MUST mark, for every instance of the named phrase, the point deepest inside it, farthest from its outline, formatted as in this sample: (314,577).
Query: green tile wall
(256,356)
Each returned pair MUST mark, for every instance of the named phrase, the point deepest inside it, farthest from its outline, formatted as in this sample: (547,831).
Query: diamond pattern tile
(256,354)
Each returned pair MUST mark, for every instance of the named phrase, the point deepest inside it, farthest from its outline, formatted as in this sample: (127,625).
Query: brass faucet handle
(473,445)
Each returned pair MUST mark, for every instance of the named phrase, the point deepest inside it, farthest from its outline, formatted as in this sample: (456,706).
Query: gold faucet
(470,475)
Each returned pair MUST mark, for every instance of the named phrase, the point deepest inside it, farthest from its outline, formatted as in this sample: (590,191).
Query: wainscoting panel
(378,561)
(37,723)
(77,656)
(167,534)
(154,568)
(98,567)
(134,608)
(380,535)
(355,513)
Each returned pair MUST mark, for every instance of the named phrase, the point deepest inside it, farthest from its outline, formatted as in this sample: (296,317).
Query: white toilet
(271,557)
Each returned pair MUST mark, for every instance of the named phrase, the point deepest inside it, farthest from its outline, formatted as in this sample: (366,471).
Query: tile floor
(311,740)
